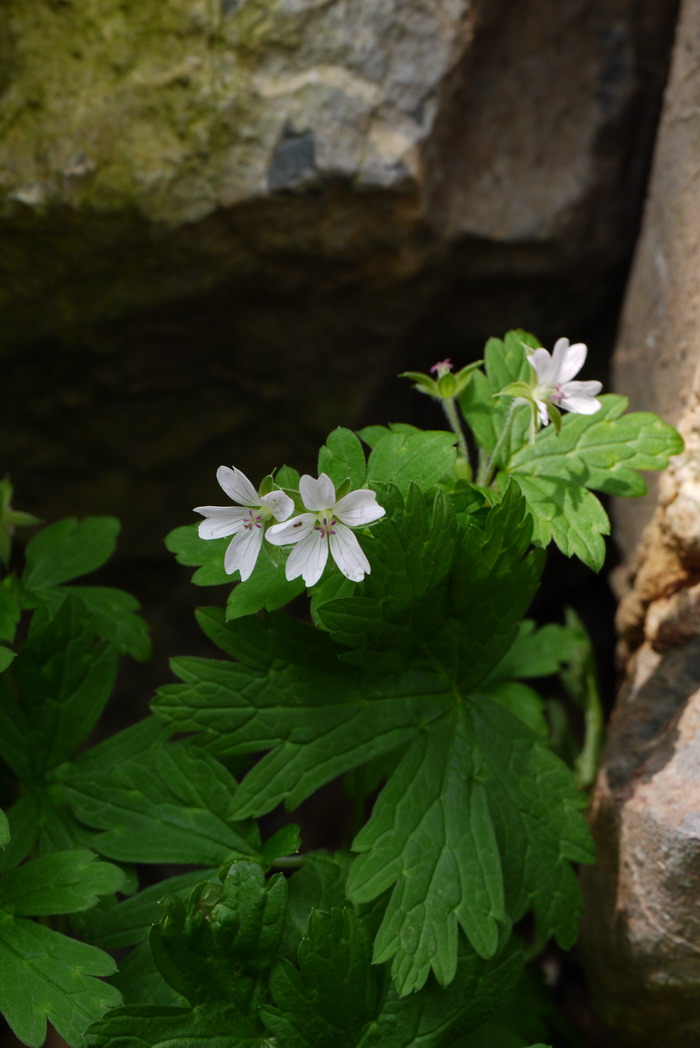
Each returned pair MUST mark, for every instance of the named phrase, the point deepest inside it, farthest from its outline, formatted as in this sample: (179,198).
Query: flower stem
(450,410)
(486,473)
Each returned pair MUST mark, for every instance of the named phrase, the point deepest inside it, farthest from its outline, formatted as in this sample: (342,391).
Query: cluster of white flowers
(324,527)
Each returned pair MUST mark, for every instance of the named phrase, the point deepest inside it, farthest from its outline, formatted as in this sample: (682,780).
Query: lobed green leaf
(47,976)
(65,882)
(68,549)
(171,805)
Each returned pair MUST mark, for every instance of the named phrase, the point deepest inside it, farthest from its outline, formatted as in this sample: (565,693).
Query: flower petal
(542,412)
(291,531)
(242,552)
(358,507)
(221,521)
(590,388)
(571,362)
(279,504)
(237,486)
(317,494)
(308,558)
(542,363)
(346,552)
(580,402)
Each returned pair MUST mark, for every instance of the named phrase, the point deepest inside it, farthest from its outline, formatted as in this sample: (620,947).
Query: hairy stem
(486,473)
(448,406)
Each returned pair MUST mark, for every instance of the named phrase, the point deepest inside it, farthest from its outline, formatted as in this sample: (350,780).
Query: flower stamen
(324,527)
(253,520)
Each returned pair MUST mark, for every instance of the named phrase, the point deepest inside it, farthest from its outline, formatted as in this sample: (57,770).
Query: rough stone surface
(225,224)
(641,930)
(656,358)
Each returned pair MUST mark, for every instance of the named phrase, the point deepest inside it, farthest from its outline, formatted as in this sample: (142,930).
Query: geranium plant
(404,672)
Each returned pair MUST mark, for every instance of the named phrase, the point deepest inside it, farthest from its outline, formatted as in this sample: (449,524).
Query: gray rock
(225,225)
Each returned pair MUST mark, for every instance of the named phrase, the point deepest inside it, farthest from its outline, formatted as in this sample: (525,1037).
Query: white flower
(553,384)
(246,521)
(326,525)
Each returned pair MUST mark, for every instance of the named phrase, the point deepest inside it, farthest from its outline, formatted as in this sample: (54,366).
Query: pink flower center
(557,394)
(253,520)
(325,526)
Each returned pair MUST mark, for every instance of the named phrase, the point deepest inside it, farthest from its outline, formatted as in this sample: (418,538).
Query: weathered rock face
(641,935)
(641,932)
(224,223)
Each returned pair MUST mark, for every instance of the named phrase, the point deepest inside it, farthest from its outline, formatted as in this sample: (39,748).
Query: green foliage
(256,959)
(601,451)
(557,471)
(454,791)
(55,690)
(402,458)
(415,680)
(45,975)
(504,362)
(172,804)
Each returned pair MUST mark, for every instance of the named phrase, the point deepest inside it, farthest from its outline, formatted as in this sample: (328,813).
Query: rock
(224,225)
(641,927)
(641,930)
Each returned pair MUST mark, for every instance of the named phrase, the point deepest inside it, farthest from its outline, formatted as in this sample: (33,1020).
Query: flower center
(557,394)
(253,520)
(325,526)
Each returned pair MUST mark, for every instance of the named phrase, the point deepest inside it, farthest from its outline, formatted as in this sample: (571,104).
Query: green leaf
(171,805)
(139,981)
(47,976)
(266,588)
(437,1016)
(342,457)
(55,691)
(537,652)
(9,613)
(511,804)
(68,549)
(308,702)
(144,1026)
(309,1012)
(116,620)
(284,842)
(129,922)
(320,885)
(6,657)
(207,555)
(603,451)
(446,822)
(4,830)
(431,836)
(65,882)
(446,594)
(236,925)
(567,513)
(421,458)
(129,744)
